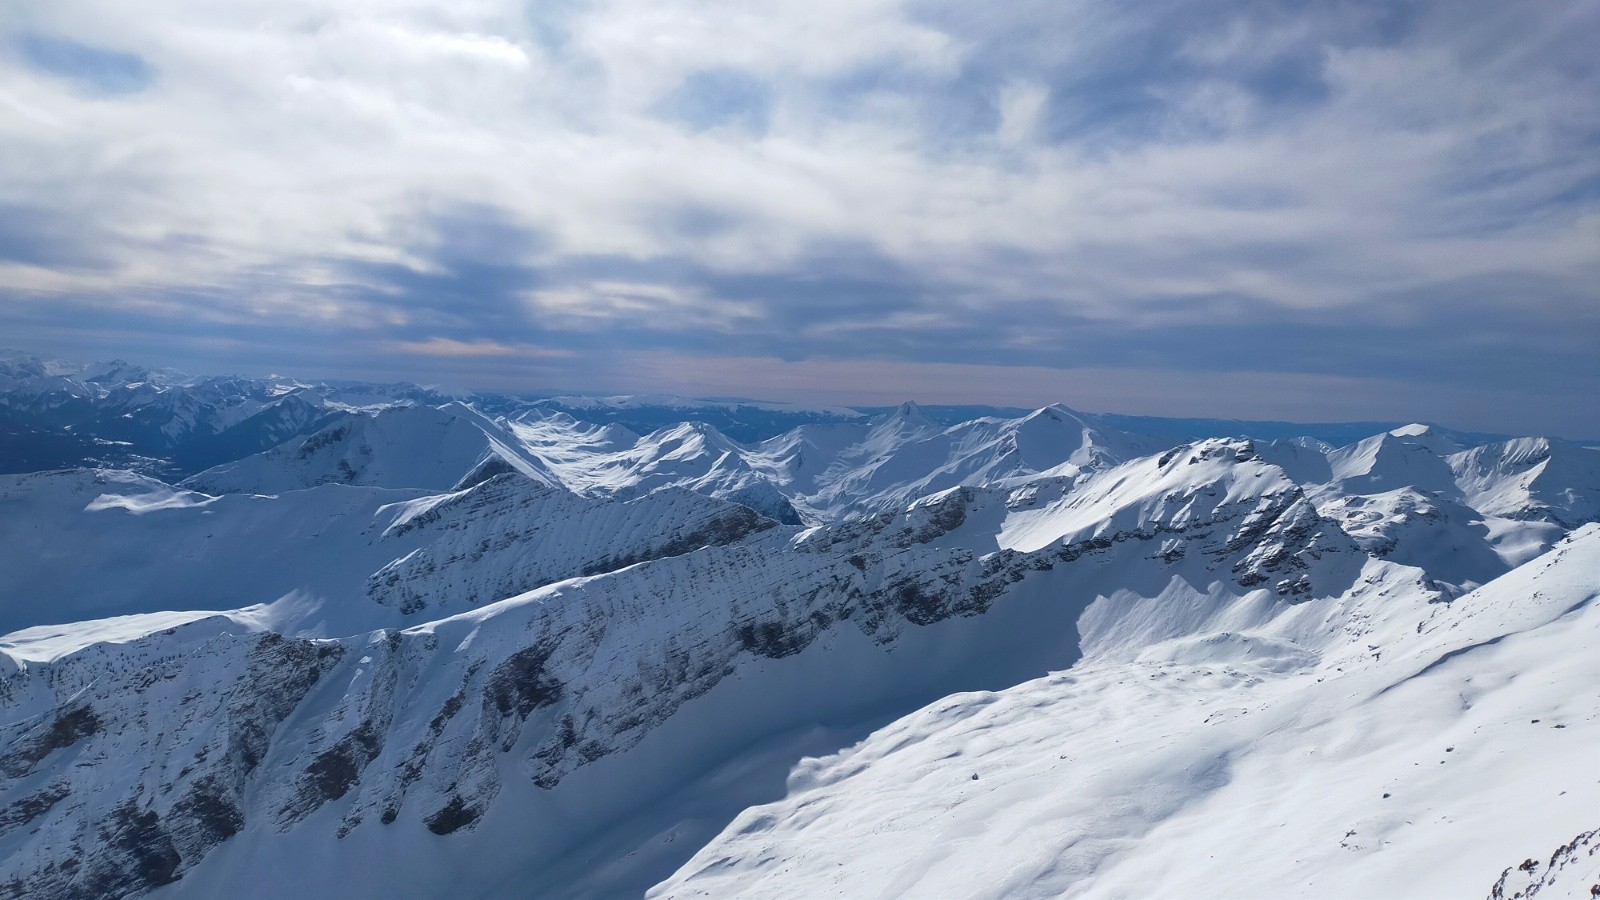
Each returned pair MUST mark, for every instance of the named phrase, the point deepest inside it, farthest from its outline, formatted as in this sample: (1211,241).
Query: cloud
(42,237)
(448,348)
(1405,194)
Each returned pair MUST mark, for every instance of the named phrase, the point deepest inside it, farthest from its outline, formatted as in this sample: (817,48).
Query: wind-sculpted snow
(426,725)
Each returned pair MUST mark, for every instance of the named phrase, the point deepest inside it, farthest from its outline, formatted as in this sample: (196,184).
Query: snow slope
(1463,745)
(1412,457)
(690,455)
(434,448)
(90,544)
(1532,479)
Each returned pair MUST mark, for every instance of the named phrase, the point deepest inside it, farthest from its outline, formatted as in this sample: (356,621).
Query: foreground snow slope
(1455,742)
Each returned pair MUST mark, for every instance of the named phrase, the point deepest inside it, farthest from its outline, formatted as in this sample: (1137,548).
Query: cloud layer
(1374,210)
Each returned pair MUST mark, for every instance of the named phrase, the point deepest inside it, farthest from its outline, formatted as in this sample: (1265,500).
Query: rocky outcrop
(508,535)
(1573,870)
(181,729)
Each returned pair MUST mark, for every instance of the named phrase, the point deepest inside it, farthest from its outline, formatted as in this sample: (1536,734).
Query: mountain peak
(1415,429)
(1426,436)
(1055,412)
(117,371)
(909,413)
(705,434)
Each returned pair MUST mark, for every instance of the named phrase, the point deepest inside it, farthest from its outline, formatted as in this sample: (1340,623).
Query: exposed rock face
(1573,870)
(188,724)
(508,535)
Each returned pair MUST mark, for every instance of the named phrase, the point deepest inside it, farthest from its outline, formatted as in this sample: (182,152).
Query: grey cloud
(42,236)
(476,262)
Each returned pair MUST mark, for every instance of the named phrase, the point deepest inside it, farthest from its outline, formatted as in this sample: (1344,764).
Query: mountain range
(268,637)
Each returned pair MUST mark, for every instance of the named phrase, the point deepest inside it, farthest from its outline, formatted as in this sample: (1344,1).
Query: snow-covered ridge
(686,404)
(816,473)
(422,720)
(434,448)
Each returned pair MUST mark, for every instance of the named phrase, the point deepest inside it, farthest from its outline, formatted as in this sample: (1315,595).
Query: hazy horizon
(800,400)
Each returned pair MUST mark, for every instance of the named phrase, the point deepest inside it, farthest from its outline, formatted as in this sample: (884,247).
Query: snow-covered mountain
(743,420)
(838,470)
(396,447)
(429,647)
(161,421)
(1531,479)
(691,455)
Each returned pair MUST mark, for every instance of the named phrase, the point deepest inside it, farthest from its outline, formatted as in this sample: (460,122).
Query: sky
(1265,209)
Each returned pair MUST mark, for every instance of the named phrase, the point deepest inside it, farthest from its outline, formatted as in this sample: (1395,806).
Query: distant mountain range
(56,414)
